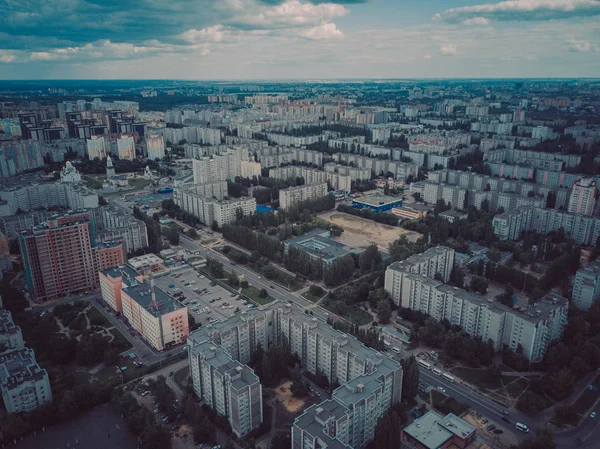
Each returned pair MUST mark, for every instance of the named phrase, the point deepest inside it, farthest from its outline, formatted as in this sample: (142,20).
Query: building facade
(295,195)
(586,287)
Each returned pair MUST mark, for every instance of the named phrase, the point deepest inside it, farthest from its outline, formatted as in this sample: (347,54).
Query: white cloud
(322,32)
(427,56)
(523,10)
(476,21)
(7,57)
(579,46)
(448,49)
(209,34)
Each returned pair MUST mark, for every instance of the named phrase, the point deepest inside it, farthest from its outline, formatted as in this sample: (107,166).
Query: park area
(360,232)
(287,399)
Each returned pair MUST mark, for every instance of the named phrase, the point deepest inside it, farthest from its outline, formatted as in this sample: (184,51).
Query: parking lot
(204,301)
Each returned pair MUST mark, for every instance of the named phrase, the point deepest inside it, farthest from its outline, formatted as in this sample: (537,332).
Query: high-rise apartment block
(371,382)
(126,147)
(11,337)
(435,263)
(294,195)
(336,180)
(249,169)
(97,147)
(583,197)
(228,387)
(155,146)
(220,167)
(586,287)
(25,386)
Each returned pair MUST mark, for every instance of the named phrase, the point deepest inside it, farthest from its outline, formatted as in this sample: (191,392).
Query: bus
(436,371)
(424,364)
(448,377)
(522,427)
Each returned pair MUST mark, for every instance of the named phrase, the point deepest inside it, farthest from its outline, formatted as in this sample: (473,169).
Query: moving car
(442,389)
(490,427)
(593,415)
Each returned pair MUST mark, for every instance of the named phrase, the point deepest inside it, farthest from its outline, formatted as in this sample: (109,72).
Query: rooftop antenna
(153,304)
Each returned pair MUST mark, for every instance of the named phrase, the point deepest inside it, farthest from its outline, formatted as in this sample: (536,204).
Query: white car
(442,389)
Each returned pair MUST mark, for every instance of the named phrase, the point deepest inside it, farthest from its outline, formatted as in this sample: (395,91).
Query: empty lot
(360,232)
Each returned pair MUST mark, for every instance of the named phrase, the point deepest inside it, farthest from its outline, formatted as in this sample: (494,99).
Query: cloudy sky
(269,39)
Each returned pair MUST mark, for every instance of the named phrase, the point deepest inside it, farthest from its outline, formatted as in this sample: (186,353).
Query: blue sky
(266,39)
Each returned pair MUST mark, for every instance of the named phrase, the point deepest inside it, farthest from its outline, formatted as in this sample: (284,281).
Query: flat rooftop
(123,271)
(142,294)
(313,419)
(322,247)
(427,431)
(377,200)
(19,366)
(7,325)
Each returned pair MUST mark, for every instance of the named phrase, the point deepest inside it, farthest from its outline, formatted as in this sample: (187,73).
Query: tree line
(379,217)
(247,238)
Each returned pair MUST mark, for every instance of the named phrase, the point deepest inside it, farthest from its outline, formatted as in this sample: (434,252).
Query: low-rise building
(25,386)
(147,263)
(434,431)
(377,203)
(319,247)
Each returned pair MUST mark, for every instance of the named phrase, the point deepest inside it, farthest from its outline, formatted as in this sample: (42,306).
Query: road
(255,279)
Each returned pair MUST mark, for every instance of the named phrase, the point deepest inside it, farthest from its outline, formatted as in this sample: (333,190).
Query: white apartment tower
(126,147)
(583,197)
(586,287)
(155,146)
(294,195)
(96,147)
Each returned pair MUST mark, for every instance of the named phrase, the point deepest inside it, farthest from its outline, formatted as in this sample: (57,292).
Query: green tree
(384,311)
(410,379)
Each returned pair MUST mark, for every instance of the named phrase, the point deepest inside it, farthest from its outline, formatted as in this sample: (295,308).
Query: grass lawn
(96,318)
(308,296)
(108,374)
(180,376)
(120,339)
(253,293)
(359,316)
(517,387)
(477,377)
(139,183)
(587,398)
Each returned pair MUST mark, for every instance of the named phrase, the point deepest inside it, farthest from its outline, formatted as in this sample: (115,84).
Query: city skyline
(294,39)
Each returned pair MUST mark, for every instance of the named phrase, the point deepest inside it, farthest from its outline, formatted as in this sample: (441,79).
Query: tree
(233,278)
(263,293)
(316,291)
(388,427)
(281,440)
(369,259)
(384,311)
(410,379)
(478,284)
(457,277)
(299,389)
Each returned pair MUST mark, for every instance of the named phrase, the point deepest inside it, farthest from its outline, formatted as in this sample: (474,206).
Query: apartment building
(59,257)
(294,195)
(250,169)
(11,337)
(586,287)
(147,264)
(126,147)
(533,328)
(583,197)
(227,386)
(436,262)
(25,386)
(160,319)
(97,147)
(355,173)
(371,381)
(155,146)
(216,190)
(219,167)
(581,228)
(113,280)
(114,224)
(337,181)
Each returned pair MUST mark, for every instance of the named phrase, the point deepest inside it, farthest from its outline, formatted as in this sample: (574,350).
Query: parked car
(593,415)
(490,427)
(484,421)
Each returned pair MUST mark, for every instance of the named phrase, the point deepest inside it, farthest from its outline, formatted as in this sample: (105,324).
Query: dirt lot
(360,232)
(284,395)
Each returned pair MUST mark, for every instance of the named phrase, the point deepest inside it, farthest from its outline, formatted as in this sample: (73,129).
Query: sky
(298,39)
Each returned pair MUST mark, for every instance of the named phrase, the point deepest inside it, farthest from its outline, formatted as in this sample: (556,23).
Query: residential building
(160,319)
(249,169)
(583,197)
(586,287)
(25,386)
(126,147)
(230,388)
(110,254)
(155,146)
(220,167)
(11,337)
(371,382)
(97,147)
(434,431)
(112,281)
(295,195)
(58,256)
(436,262)
(533,328)
(113,224)
(5,260)
(355,173)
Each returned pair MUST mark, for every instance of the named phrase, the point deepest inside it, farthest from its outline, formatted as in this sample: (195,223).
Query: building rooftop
(321,247)
(314,417)
(419,258)
(377,200)
(7,325)
(123,271)
(145,260)
(433,430)
(142,294)
(19,366)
